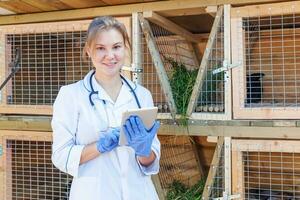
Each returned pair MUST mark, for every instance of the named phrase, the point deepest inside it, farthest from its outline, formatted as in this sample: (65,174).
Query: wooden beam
(119,10)
(169,25)
(211,10)
(183,12)
(201,72)
(233,131)
(160,70)
(267,9)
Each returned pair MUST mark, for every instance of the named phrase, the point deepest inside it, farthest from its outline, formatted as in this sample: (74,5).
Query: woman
(86,125)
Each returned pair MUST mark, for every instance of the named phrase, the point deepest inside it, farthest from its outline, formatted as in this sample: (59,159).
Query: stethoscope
(92,91)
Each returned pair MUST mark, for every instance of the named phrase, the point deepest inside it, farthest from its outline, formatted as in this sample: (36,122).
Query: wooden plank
(163,78)
(227,165)
(213,169)
(201,72)
(19,6)
(83,3)
(120,10)
(233,131)
(237,172)
(183,12)
(137,52)
(26,135)
(43,6)
(263,10)
(227,57)
(169,25)
(281,146)
(20,109)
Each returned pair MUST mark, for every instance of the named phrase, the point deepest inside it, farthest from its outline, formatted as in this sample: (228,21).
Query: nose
(109,54)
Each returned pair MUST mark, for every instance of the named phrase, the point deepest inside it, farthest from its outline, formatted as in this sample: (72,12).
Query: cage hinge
(228,197)
(226,67)
(132,69)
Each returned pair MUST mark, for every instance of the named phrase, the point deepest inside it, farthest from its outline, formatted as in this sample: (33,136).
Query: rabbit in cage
(254,87)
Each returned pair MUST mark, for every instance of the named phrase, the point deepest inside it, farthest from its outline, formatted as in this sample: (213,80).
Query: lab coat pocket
(85,188)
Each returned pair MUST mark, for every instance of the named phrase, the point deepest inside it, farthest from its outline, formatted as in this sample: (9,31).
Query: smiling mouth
(110,64)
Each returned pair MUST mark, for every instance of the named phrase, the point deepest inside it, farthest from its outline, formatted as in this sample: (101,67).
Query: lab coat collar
(124,96)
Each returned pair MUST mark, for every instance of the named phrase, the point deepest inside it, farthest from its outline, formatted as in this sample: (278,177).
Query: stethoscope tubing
(92,92)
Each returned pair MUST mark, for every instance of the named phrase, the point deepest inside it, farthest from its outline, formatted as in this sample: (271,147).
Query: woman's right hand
(108,140)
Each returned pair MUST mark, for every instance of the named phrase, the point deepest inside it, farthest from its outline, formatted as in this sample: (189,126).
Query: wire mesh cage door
(266,169)
(165,53)
(266,43)
(26,168)
(211,93)
(50,57)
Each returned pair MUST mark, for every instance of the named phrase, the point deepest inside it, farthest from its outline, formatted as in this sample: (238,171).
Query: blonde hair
(100,24)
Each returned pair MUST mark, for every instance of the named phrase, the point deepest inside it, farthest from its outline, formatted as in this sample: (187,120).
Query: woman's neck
(112,85)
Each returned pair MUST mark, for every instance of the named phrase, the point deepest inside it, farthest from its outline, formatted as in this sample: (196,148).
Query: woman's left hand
(138,137)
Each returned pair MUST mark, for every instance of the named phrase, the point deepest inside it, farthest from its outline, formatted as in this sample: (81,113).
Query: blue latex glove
(108,140)
(138,137)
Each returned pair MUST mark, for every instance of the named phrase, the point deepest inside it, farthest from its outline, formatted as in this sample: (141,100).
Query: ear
(89,53)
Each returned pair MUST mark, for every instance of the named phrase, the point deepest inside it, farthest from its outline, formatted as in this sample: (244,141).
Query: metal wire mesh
(178,161)
(270,175)
(218,183)
(171,47)
(49,59)
(272,46)
(211,96)
(30,173)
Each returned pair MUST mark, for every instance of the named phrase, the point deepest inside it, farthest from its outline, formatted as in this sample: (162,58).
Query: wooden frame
(239,72)
(5,172)
(180,8)
(36,28)
(239,146)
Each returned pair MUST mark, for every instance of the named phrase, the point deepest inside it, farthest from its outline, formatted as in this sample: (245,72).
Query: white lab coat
(115,175)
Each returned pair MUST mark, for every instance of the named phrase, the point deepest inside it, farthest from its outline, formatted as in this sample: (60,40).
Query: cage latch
(228,197)
(132,69)
(226,67)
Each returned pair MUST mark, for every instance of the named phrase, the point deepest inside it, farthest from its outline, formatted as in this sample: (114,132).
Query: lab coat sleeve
(65,153)
(154,167)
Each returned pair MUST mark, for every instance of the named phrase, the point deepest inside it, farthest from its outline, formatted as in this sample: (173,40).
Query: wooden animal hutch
(246,58)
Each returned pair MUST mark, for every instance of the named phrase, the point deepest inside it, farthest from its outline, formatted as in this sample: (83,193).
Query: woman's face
(108,52)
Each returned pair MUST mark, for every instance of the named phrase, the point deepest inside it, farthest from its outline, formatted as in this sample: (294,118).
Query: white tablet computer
(148,116)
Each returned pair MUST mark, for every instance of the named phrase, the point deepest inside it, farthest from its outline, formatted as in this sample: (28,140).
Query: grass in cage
(179,191)
(182,82)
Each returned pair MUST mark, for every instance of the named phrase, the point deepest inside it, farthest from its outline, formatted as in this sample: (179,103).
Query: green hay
(179,191)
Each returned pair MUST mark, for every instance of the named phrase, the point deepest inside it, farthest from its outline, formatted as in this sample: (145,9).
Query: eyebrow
(113,44)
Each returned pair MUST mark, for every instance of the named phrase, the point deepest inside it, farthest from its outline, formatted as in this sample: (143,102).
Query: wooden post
(136,49)
(162,75)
